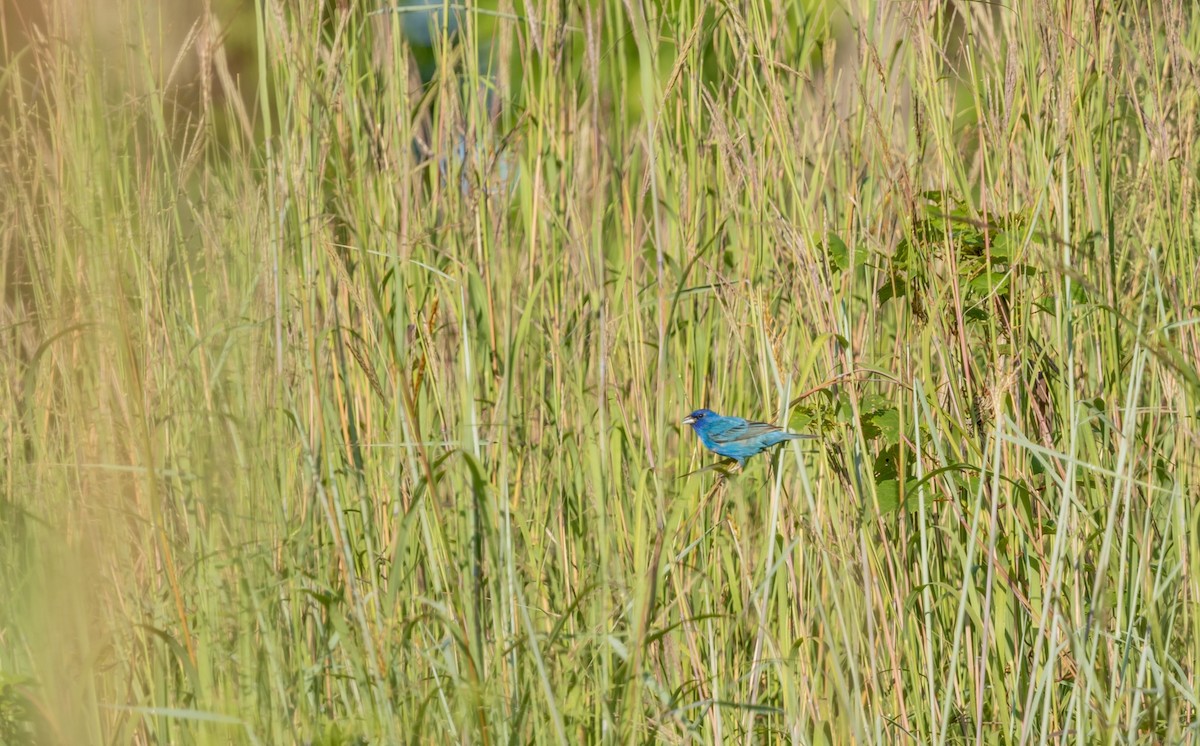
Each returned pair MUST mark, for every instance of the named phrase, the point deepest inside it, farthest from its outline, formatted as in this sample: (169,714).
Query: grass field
(343,384)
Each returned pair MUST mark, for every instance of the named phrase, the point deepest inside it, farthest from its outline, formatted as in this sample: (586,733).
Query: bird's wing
(738,432)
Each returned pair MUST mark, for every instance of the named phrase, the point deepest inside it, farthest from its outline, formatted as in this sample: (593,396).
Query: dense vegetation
(344,387)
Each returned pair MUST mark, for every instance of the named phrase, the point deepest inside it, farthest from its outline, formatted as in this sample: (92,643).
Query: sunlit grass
(349,413)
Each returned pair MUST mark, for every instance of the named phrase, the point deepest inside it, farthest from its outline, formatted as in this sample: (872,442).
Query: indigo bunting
(734,437)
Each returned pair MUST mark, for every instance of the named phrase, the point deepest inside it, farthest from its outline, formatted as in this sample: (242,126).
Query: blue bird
(734,437)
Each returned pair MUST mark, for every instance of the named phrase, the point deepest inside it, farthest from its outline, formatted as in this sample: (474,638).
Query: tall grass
(344,407)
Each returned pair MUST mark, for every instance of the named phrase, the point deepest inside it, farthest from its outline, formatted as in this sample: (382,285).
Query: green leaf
(895,287)
(975,314)
(1005,246)
(988,282)
(872,403)
(887,464)
(934,196)
(803,421)
(887,494)
(888,422)
(839,253)
(844,413)
(911,503)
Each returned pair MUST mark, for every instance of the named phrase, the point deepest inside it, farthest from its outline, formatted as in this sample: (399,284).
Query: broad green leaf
(988,282)
(839,253)
(888,422)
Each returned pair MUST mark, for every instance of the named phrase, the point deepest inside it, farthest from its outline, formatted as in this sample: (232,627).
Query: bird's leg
(725,470)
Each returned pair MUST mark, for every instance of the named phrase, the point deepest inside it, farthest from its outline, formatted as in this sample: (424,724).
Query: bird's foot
(730,468)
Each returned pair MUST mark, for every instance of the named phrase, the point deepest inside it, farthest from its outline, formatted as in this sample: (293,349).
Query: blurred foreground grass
(349,412)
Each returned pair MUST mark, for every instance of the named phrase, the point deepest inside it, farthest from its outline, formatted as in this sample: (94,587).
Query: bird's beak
(689,420)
